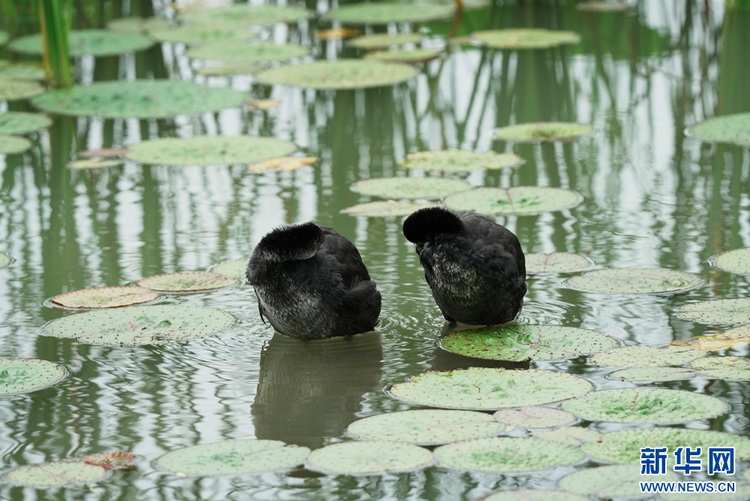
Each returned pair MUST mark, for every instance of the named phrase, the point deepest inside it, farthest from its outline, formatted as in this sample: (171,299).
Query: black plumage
(311,283)
(475,267)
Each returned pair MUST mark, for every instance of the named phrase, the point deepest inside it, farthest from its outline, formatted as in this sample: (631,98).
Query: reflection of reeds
(54,21)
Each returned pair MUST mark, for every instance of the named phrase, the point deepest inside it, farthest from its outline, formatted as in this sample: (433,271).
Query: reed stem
(54,21)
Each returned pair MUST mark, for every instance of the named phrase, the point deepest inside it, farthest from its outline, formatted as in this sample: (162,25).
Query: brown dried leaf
(112,460)
(283,163)
(262,104)
(105,152)
(338,33)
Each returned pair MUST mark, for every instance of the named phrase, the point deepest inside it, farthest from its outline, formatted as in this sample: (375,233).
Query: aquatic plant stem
(54,22)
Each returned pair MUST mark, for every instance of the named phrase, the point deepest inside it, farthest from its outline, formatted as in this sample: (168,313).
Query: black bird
(475,267)
(311,283)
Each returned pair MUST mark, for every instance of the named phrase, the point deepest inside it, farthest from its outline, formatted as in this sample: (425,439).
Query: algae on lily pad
(571,435)
(88,42)
(23,71)
(202,33)
(412,56)
(534,417)
(138,99)
(249,15)
(232,269)
(384,40)
(226,70)
(21,122)
(460,160)
(713,342)
(105,297)
(13,89)
(190,281)
(645,405)
(489,389)
(652,374)
(10,145)
(723,367)
(247,52)
(543,131)
(339,75)
(525,38)
(720,311)
(388,208)
(137,325)
(734,129)
(410,187)
(138,24)
(507,455)
(56,474)
(232,457)
(426,426)
(635,281)
(208,150)
(557,262)
(646,356)
(5,259)
(611,481)
(368,458)
(533,495)
(733,261)
(385,12)
(21,375)
(519,200)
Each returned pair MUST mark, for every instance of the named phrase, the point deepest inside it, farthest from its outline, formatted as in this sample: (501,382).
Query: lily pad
(23,71)
(339,75)
(88,42)
(460,160)
(635,281)
(557,262)
(519,200)
(10,145)
(571,435)
(12,89)
(721,311)
(202,33)
(58,473)
(138,99)
(646,356)
(262,15)
(507,455)
(525,38)
(518,343)
(248,52)
(723,367)
(4,37)
(105,297)
(21,375)
(112,460)
(534,495)
(226,70)
(602,6)
(426,427)
(489,389)
(734,261)
(208,150)
(232,269)
(232,457)
(368,458)
(734,129)
(338,33)
(645,405)
(651,374)
(105,152)
(534,417)
(138,24)
(5,260)
(384,40)
(405,56)
(713,342)
(410,187)
(190,281)
(607,482)
(20,122)
(388,208)
(91,163)
(384,13)
(282,164)
(543,131)
(137,325)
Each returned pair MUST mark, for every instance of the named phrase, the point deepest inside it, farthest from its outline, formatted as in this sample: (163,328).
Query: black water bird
(311,283)
(475,267)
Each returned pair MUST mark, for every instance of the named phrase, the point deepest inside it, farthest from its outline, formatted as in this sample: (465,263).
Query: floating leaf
(23,71)
(533,495)
(230,70)
(232,269)
(262,15)
(425,427)
(713,342)
(489,389)
(525,38)
(105,152)
(202,33)
(646,356)
(58,473)
(388,208)
(734,129)
(12,89)
(208,150)
(20,122)
(572,435)
(336,33)
(10,145)
(282,163)
(635,281)
(527,342)
(519,200)
(262,104)
(410,187)
(557,262)
(247,52)
(384,40)
(136,325)
(460,160)
(505,454)
(405,56)
(534,417)
(368,458)
(88,42)
(734,261)
(112,460)
(610,481)
(721,311)
(232,457)
(384,13)
(602,6)
(723,367)
(651,374)
(543,131)
(138,24)
(338,75)
(5,259)
(4,37)
(21,375)
(105,297)
(138,99)
(93,164)
(190,281)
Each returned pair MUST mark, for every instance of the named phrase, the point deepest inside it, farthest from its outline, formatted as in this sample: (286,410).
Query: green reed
(54,21)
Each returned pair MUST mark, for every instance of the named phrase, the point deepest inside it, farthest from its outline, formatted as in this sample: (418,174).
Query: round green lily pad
(533,495)
(23,71)
(189,281)
(734,129)
(249,52)
(58,473)
(137,325)
(571,435)
(645,405)
(534,417)
(338,75)
(543,131)
(105,297)
(506,455)
(5,259)
(720,311)
(138,99)
(208,150)
(426,427)
(410,187)
(557,262)
(232,457)
(368,458)
(635,281)
(13,89)
(262,15)
(20,122)
(21,375)
(404,56)
(138,24)
(602,6)
(723,367)
(460,160)
(713,342)
(489,389)
(647,356)
(607,482)
(10,145)
(202,33)
(518,343)
(88,42)
(734,261)
(232,269)
(384,40)
(519,200)
(388,208)
(525,38)
(625,446)
(651,374)
(384,13)
(226,70)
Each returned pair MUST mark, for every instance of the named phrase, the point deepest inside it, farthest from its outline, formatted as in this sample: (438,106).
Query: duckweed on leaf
(734,129)
(734,261)
(388,208)
(88,42)
(20,122)
(460,160)
(384,13)
(713,342)
(10,145)
(232,269)
(339,75)
(519,200)
(249,15)
(247,52)
(635,281)
(190,281)
(56,474)
(646,356)
(208,150)
(384,40)
(720,311)
(105,297)
(651,374)
(543,131)
(610,481)
(723,367)
(557,262)
(12,89)
(410,187)
(534,417)
(21,375)
(571,435)
(368,458)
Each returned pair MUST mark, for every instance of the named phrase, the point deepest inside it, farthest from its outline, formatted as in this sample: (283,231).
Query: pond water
(652,197)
